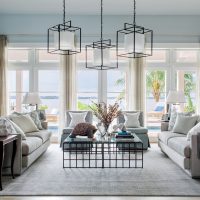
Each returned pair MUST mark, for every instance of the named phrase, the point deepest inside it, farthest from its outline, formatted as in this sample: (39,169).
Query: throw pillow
(25,123)
(173,117)
(184,123)
(6,127)
(193,131)
(42,115)
(132,120)
(84,129)
(17,129)
(77,118)
(35,117)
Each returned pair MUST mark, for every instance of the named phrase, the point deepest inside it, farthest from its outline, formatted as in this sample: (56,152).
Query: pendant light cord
(101,20)
(134,12)
(64,12)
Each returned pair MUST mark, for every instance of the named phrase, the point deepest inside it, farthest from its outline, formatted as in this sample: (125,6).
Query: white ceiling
(111,7)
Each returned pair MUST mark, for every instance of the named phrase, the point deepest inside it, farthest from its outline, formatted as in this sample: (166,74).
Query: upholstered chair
(67,130)
(141,132)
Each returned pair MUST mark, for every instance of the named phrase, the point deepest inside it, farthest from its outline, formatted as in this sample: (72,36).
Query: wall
(167,29)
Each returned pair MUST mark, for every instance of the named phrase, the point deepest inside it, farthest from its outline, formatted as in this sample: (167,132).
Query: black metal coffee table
(109,153)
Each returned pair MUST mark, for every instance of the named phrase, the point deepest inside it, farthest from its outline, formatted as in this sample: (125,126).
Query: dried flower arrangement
(106,113)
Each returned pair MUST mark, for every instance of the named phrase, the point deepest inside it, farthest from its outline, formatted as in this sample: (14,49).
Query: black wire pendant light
(100,51)
(138,41)
(64,38)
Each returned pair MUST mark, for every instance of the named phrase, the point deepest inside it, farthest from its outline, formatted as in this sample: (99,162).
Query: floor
(99,198)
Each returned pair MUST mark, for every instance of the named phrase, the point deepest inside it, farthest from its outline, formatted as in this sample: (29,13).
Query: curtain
(137,84)
(3,79)
(67,87)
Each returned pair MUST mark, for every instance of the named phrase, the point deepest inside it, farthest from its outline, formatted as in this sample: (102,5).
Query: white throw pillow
(132,120)
(25,122)
(77,118)
(184,123)
(193,131)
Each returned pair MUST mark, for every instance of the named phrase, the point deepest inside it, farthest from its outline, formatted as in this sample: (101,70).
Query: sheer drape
(3,79)
(137,84)
(67,94)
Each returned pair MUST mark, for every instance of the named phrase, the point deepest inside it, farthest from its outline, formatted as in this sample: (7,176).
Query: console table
(110,153)
(3,141)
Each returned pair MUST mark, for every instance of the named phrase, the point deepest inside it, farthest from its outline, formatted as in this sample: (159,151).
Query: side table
(3,141)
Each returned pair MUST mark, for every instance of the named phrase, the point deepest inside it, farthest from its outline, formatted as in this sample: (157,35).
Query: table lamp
(32,99)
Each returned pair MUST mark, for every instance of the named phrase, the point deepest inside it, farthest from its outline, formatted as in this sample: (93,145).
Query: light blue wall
(167,29)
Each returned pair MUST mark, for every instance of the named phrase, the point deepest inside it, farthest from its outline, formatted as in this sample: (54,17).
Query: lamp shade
(98,57)
(134,42)
(175,97)
(64,40)
(32,99)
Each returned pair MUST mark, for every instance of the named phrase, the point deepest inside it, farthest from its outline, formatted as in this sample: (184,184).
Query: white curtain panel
(67,94)
(137,84)
(3,76)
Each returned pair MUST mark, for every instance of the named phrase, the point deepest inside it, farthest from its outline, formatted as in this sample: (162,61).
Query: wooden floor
(99,198)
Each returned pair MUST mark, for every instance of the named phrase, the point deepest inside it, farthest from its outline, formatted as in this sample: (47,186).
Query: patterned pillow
(35,117)
(84,129)
(6,127)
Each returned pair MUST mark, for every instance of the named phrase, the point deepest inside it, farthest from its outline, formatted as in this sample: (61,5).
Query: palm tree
(155,83)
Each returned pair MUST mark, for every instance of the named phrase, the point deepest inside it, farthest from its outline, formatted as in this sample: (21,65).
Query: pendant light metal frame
(102,44)
(134,29)
(65,26)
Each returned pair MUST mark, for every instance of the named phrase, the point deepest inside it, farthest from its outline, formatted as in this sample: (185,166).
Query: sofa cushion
(43,134)
(184,123)
(25,123)
(140,130)
(180,145)
(30,144)
(164,136)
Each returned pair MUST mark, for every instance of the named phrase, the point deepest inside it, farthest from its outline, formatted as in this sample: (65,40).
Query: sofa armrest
(164,126)
(44,124)
(195,155)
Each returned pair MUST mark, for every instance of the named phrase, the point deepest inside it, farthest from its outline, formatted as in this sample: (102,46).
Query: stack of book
(124,134)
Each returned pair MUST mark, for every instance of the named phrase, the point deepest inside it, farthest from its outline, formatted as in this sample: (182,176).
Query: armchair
(66,131)
(141,132)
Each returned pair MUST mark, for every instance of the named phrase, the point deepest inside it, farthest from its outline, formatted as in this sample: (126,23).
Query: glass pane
(18,55)
(158,56)
(87,81)
(186,56)
(48,80)
(116,87)
(186,81)
(44,56)
(155,99)
(50,103)
(18,85)
(87,88)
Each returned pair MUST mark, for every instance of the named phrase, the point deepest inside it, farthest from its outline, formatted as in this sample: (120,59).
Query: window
(186,81)
(116,87)
(29,72)
(155,99)
(18,86)
(18,55)
(186,56)
(159,56)
(87,88)
(106,85)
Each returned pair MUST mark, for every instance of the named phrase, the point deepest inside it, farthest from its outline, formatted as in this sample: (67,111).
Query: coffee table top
(135,139)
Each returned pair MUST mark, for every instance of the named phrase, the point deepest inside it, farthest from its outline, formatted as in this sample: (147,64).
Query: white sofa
(184,153)
(28,150)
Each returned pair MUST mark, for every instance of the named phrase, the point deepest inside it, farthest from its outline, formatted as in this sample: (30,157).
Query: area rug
(159,177)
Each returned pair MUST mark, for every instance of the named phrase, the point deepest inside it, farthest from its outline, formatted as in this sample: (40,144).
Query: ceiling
(111,7)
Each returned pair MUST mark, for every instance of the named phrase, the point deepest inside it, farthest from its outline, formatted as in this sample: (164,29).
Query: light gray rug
(159,177)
